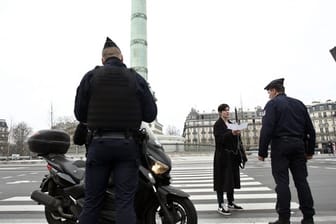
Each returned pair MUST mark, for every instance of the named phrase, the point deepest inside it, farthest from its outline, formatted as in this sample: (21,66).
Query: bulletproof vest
(113,103)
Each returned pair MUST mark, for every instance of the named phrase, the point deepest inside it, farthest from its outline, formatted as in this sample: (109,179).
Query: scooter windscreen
(154,147)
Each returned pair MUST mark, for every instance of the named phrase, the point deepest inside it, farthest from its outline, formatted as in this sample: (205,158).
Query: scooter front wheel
(181,209)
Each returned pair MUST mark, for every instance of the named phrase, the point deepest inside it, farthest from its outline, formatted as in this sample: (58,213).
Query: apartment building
(3,137)
(323,115)
(198,127)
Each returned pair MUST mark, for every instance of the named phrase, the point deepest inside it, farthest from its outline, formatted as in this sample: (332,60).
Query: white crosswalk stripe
(190,190)
(17,198)
(246,206)
(21,208)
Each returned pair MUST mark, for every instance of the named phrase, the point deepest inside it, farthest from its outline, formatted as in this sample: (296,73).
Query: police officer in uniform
(113,100)
(286,125)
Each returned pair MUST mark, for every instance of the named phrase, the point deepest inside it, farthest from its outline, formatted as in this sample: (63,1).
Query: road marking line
(210,184)
(21,208)
(330,168)
(22,182)
(246,206)
(237,196)
(23,221)
(201,180)
(195,190)
(12,168)
(18,198)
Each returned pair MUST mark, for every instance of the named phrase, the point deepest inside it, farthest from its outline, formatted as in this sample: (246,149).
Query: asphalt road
(193,174)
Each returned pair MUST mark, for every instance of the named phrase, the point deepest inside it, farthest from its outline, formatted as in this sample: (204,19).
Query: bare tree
(172,130)
(20,133)
(67,124)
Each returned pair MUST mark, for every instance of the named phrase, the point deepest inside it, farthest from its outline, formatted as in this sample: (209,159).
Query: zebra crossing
(198,182)
(194,176)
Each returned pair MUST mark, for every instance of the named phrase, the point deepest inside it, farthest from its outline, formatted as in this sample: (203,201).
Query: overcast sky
(201,53)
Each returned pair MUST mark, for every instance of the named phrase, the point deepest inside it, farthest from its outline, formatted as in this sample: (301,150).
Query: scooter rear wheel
(54,219)
(52,216)
(182,209)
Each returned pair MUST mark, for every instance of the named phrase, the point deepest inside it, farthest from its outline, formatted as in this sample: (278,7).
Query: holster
(80,135)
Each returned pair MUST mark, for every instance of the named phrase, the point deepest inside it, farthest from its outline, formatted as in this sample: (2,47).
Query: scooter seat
(68,166)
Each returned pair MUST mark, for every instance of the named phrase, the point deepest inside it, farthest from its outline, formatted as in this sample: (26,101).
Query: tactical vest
(113,103)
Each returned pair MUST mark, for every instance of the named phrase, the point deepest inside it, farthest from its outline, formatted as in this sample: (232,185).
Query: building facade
(198,127)
(3,138)
(323,116)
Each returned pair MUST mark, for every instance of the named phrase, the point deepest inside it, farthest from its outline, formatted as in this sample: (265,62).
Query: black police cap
(333,52)
(109,43)
(275,83)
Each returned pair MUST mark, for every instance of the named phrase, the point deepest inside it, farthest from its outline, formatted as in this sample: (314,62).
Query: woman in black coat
(227,159)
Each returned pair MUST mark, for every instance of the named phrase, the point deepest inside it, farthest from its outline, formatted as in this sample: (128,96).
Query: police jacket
(286,117)
(147,103)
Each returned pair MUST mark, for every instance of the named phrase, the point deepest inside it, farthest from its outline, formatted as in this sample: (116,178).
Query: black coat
(226,171)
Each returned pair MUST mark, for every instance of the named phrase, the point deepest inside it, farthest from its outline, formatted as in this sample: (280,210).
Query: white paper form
(237,127)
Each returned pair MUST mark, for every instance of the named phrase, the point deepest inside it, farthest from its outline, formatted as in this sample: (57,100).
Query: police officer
(113,100)
(286,125)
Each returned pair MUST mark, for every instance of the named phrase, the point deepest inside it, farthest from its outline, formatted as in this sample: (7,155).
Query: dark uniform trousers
(287,153)
(121,157)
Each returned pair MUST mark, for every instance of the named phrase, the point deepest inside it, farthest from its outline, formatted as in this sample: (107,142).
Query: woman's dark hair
(223,107)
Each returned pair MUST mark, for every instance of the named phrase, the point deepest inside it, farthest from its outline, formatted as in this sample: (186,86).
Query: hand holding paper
(237,127)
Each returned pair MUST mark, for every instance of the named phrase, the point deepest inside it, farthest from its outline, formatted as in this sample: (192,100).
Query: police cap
(333,52)
(275,83)
(111,50)
(109,43)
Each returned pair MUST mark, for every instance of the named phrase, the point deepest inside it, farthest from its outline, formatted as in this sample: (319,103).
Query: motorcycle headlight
(159,168)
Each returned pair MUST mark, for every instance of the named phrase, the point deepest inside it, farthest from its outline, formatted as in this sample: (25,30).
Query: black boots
(280,221)
(307,221)
(286,221)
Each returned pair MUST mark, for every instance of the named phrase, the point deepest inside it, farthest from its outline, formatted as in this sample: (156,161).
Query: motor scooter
(62,189)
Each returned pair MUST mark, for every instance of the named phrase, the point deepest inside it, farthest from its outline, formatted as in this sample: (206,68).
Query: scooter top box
(49,141)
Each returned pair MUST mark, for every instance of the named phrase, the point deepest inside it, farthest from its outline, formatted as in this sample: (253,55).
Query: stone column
(139,37)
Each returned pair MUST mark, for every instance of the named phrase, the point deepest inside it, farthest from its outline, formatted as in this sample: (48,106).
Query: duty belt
(112,135)
(289,138)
